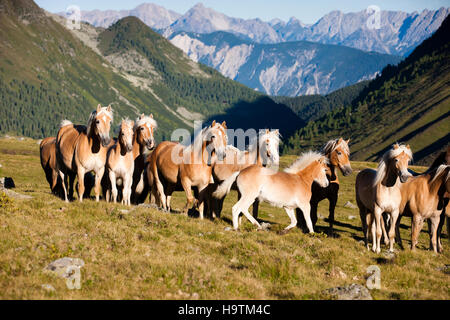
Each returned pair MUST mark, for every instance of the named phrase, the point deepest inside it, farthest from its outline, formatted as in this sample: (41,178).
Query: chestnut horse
(338,154)
(378,191)
(423,198)
(120,162)
(50,165)
(172,164)
(143,143)
(290,189)
(82,151)
(263,152)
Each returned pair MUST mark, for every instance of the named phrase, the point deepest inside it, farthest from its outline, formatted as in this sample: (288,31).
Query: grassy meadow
(143,253)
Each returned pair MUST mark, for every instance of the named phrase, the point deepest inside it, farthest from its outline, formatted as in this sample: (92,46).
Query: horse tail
(65,122)
(224,188)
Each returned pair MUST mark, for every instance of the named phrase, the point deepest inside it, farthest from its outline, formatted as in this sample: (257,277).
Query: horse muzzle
(404,176)
(105,141)
(150,144)
(346,170)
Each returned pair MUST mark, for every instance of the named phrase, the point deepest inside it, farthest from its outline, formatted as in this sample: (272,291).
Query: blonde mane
(304,160)
(94,114)
(145,120)
(439,171)
(332,145)
(388,155)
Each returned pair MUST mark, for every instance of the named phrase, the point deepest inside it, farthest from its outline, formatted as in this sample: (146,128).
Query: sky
(307,11)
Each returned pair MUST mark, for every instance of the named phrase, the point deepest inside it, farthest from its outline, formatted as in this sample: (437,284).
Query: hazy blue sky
(308,11)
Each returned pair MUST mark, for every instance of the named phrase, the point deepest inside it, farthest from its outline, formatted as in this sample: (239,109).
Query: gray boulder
(353,291)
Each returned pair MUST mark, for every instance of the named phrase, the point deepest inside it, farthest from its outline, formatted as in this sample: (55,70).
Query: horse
(143,143)
(338,154)
(423,198)
(50,165)
(263,151)
(289,189)
(172,164)
(120,162)
(378,191)
(82,151)
(442,158)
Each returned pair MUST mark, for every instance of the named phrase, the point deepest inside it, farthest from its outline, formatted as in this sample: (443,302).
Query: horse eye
(142,128)
(339,153)
(97,122)
(212,137)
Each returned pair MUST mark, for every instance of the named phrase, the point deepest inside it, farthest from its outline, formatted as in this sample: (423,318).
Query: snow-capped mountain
(290,68)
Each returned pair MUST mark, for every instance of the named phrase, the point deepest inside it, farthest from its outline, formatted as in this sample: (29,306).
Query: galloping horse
(172,164)
(82,151)
(120,162)
(423,198)
(290,189)
(263,152)
(378,191)
(338,154)
(143,143)
(50,165)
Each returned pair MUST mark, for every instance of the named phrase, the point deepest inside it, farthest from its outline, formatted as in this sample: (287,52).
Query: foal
(120,162)
(378,191)
(290,189)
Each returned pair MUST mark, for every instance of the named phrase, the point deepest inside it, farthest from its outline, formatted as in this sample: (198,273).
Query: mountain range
(408,103)
(49,72)
(398,33)
(288,68)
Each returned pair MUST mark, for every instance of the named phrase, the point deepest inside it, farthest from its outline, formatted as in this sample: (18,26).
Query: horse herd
(212,168)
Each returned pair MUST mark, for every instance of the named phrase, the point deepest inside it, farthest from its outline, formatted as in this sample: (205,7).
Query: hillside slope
(408,103)
(48,73)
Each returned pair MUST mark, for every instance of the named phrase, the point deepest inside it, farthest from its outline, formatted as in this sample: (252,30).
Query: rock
(124,211)
(15,195)
(351,217)
(227,229)
(445,269)
(350,205)
(61,266)
(7,183)
(48,287)
(353,291)
(320,216)
(147,205)
(265,226)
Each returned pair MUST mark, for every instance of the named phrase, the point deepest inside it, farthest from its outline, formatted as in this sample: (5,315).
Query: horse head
(144,130)
(338,153)
(100,122)
(126,134)
(268,146)
(400,156)
(216,139)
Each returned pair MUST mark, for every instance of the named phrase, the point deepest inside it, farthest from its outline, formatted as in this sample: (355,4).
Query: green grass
(148,254)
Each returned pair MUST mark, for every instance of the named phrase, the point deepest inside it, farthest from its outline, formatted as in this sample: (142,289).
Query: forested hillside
(406,103)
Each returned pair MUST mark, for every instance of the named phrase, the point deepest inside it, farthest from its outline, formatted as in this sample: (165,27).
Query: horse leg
(127,189)
(242,206)
(371,229)
(61,174)
(385,222)
(80,173)
(378,212)
(398,238)
(417,222)
(363,216)
(291,213)
(186,183)
(439,230)
(255,209)
(71,176)
(433,233)
(112,179)
(98,180)
(306,209)
(333,201)
(201,205)
(394,217)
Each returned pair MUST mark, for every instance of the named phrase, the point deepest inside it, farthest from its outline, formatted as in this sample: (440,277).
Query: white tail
(224,188)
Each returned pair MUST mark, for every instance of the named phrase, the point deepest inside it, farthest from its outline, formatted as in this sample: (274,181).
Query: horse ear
(340,140)
(395,147)
(407,147)
(151,115)
(267,131)
(348,141)
(213,123)
(224,124)
(109,108)
(141,116)
(99,107)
